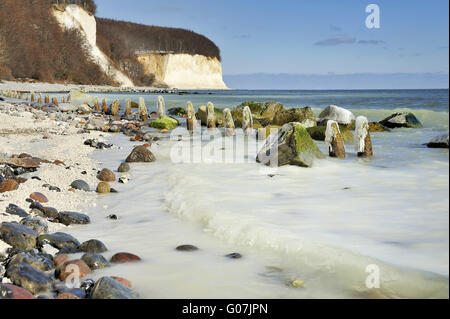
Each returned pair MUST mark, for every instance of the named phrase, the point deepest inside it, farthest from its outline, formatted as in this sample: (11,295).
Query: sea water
(328,225)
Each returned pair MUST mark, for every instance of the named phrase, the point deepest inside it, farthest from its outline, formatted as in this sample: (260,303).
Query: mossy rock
(166,122)
(303,115)
(134,105)
(270,109)
(401,119)
(295,147)
(377,127)
(255,107)
(318,133)
(176,111)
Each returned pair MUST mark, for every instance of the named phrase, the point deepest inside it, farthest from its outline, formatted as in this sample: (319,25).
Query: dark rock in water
(36,205)
(28,277)
(377,127)
(60,288)
(301,115)
(123,168)
(292,145)
(113,190)
(40,261)
(95,261)
(112,217)
(234,256)
(186,248)
(59,241)
(49,212)
(16,210)
(121,258)
(401,119)
(93,246)
(8,291)
(18,236)
(69,218)
(140,154)
(439,141)
(108,288)
(80,185)
(317,133)
(35,223)
(96,144)
(176,111)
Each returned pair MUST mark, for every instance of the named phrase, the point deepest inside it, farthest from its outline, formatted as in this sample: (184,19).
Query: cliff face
(184,71)
(74,17)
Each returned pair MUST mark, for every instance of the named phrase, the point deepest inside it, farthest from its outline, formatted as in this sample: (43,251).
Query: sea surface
(333,226)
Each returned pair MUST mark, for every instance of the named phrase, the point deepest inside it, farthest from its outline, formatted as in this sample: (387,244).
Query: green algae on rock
(165,122)
(318,133)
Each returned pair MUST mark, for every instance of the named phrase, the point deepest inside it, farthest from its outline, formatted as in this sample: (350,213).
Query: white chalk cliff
(184,71)
(75,17)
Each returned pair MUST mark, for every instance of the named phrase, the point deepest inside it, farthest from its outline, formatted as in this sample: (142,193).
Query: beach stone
(186,248)
(270,109)
(69,218)
(234,256)
(67,295)
(8,186)
(140,154)
(121,258)
(28,277)
(60,259)
(106,175)
(176,111)
(8,291)
(103,188)
(41,261)
(317,133)
(336,113)
(16,210)
(303,115)
(123,281)
(401,119)
(123,180)
(66,107)
(49,212)
(80,185)
(109,288)
(292,145)
(66,269)
(18,236)
(93,246)
(440,141)
(95,261)
(112,217)
(39,197)
(297,283)
(59,241)
(123,168)
(36,223)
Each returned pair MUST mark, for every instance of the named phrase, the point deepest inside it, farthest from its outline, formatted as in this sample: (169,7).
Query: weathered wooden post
(363,142)
(191,121)
(143,115)
(247,120)
(229,123)
(127,108)
(104,107)
(210,116)
(334,140)
(161,107)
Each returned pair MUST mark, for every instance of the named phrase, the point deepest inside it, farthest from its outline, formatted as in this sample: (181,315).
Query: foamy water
(323,225)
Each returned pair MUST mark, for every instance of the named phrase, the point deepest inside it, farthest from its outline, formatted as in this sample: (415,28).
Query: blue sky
(306,36)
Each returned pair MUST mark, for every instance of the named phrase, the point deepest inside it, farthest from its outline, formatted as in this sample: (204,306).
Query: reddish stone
(60,259)
(8,186)
(147,145)
(18,292)
(139,138)
(106,175)
(20,180)
(39,197)
(184,116)
(72,190)
(132,139)
(65,270)
(121,258)
(58,162)
(122,281)
(66,295)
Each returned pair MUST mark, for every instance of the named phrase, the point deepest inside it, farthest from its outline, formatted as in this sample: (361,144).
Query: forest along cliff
(51,42)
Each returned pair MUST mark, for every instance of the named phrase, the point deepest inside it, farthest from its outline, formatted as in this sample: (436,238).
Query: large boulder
(440,141)
(30,278)
(165,123)
(140,154)
(18,236)
(109,288)
(318,133)
(401,119)
(292,145)
(336,113)
(303,115)
(270,109)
